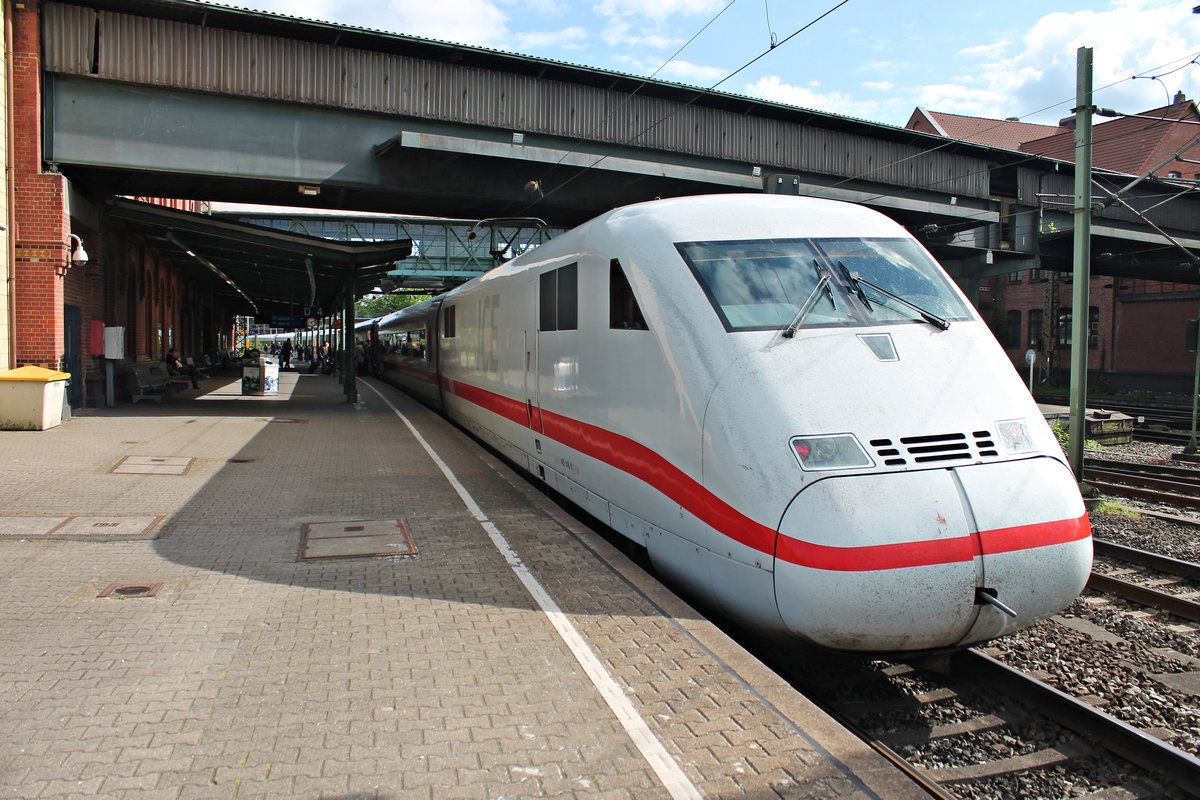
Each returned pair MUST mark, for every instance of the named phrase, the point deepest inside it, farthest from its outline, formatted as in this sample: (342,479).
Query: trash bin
(260,376)
(31,398)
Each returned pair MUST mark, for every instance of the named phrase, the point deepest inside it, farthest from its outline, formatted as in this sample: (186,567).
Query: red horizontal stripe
(423,375)
(506,407)
(1027,537)
(931,551)
(646,465)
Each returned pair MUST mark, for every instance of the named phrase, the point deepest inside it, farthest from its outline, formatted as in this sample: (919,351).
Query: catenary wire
(673,112)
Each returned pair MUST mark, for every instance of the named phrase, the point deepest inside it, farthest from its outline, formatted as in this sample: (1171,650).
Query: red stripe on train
(648,466)
(932,551)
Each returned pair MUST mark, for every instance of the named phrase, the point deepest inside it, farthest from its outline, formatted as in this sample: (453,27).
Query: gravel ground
(1122,673)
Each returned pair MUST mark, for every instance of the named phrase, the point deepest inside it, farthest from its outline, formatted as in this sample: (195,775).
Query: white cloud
(619,33)
(479,22)
(572,38)
(688,72)
(880,86)
(1131,37)
(656,9)
(773,88)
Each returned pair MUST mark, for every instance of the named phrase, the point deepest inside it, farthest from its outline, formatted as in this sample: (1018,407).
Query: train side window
(448,322)
(623,310)
(568,298)
(558,301)
(548,301)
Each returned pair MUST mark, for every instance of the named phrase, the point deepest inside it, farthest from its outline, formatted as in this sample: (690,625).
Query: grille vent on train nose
(935,448)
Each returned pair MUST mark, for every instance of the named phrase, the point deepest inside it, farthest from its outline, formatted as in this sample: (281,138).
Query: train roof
(754,216)
(716,217)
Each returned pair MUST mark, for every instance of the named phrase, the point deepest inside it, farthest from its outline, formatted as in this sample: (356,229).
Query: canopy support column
(348,365)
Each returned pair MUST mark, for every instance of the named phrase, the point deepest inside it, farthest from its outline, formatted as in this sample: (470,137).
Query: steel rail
(1190,501)
(1167,564)
(1139,468)
(1166,437)
(1120,737)
(1144,480)
(1173,604)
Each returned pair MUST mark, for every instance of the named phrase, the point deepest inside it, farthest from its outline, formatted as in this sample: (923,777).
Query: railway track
(946,728)
(1160,483)
(1185,606)
(975,727)
(1171,437)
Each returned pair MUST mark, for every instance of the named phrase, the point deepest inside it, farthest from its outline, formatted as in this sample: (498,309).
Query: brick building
(54,312)
(1137,325)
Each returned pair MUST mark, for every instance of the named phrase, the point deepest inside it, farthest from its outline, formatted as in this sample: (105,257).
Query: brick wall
(1152,336)
(40,220)
(6,332)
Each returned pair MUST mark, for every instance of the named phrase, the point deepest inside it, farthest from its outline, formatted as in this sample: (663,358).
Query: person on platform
(175,366)
(285,355)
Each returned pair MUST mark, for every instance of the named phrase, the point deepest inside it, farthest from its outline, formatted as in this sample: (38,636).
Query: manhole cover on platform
(103,528)
(356,539)
(131,590)
(152,465)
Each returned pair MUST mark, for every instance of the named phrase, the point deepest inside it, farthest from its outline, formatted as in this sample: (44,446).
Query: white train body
(813,460)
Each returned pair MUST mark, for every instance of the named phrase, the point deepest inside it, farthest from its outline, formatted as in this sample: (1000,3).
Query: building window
(1035,329)
(1064,328)
(1014,277)
(558,306)
(1037,274)
(1093,326)
(1012,331)
(623,310)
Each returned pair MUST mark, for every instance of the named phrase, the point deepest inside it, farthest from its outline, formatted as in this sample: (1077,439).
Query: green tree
(376,305)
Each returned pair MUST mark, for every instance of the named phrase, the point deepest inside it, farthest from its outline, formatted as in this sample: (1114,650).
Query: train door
(533,410)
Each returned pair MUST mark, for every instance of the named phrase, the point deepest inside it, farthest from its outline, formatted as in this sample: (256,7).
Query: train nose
(912,560)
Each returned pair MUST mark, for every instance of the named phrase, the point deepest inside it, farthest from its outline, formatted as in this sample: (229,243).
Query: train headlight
(1014,436)
(838,451)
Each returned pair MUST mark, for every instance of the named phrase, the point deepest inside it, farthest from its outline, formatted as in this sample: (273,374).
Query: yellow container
(31,398)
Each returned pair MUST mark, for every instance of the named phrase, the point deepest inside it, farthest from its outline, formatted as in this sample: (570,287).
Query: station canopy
(260,271)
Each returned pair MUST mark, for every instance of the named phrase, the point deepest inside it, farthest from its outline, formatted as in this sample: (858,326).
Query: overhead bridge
(186,99)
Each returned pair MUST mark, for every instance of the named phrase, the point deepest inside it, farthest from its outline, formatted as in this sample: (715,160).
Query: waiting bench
(151,382)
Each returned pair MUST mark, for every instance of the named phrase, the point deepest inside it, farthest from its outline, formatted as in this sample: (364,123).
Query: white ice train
(785,400)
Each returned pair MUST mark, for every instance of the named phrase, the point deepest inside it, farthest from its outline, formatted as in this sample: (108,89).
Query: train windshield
(764,284)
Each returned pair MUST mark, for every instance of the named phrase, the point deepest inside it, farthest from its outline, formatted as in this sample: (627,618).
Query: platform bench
(147,385)
(151,382)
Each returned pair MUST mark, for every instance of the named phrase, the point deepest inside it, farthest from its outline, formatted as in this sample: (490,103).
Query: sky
(871,59)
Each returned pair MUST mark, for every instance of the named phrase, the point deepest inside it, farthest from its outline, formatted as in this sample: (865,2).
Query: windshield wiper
(854,283)
(811,301)
(857,282)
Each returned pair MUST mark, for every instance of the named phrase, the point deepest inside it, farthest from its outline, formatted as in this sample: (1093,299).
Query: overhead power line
(681,107)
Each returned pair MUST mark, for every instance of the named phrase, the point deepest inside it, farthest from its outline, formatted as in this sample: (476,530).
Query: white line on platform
(665,767)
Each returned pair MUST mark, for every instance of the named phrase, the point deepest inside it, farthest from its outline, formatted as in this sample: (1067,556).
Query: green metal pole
(1083,257)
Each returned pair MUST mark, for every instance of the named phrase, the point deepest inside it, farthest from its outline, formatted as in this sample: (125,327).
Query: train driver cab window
(448,322)
(558,303)
(771,284)
(759,285)
(623,310)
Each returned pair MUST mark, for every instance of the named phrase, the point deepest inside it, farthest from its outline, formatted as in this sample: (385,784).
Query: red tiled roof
(1133,145)
(1006,133)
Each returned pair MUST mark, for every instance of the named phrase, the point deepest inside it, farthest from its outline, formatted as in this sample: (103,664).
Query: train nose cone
(892,562)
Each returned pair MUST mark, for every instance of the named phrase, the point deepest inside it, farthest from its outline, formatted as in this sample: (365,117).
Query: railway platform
(298,597)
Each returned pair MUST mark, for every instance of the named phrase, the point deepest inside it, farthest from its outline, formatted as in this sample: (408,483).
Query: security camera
(79,256)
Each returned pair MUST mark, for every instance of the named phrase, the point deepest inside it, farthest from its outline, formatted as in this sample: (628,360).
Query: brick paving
(253,674)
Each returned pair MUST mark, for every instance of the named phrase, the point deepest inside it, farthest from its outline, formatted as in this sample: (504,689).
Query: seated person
(175,366)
